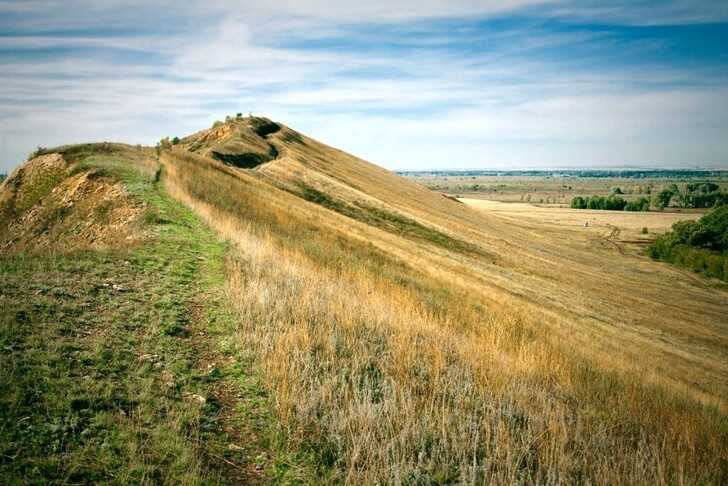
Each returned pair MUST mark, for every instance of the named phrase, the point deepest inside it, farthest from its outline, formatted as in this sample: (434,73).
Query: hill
(398,336)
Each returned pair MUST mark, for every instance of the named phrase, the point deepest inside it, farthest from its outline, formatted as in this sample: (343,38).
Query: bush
(613,203)
(37,152)
(700,245)
(578,203)
(175,140)
(642,204)
(663,198)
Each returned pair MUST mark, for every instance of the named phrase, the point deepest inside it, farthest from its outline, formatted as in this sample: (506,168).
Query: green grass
(389,221)
(104,355)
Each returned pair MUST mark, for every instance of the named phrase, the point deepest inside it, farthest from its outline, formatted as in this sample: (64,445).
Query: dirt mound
(50,204)
(244,143)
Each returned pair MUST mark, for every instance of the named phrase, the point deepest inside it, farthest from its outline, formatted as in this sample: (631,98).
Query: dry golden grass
(629,223)
(548,356)
(548,190)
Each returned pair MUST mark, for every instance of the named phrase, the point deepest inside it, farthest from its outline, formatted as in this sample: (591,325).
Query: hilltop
(300,314)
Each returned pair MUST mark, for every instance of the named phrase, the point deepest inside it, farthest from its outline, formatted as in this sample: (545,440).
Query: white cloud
(433,107)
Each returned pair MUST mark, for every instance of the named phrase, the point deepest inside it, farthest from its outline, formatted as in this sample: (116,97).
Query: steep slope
(368,297)
(611,305)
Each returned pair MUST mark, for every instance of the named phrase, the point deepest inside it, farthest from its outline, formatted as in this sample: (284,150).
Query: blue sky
(427,84)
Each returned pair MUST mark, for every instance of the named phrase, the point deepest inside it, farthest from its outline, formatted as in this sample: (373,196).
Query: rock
(153,358)
(193,397)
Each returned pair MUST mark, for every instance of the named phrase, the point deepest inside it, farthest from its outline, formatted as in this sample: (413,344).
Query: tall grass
(383,374)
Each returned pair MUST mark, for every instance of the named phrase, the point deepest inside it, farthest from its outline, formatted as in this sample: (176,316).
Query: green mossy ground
(106,357)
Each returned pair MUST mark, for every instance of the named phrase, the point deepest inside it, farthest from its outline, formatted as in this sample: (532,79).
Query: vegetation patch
(389,221)
(611,203)
(264,127)
(699,245)
(693,195)
(241,161)
(117,366)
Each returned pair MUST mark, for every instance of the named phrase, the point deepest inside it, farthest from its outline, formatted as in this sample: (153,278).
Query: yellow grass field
(588,222)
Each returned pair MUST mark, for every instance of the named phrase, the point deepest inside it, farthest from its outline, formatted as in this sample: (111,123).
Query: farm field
(551,190)
(637,227)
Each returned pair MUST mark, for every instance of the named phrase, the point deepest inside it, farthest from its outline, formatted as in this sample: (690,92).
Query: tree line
(693,195)
(612,203)
(699,245)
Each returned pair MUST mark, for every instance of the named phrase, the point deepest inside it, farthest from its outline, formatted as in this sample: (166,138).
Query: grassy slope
(622,310)
(387,370)
(106,356)
(391,357)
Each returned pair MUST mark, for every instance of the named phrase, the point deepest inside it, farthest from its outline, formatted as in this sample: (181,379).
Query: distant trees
(695,195)
(662,199)
(641,204)
(700,245)
(613,203)
(702,195)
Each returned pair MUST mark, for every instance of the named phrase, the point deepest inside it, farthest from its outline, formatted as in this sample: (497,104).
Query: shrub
(37,152)
(613,203)
(700,245)
(578,203)
(175,140)
(662,199)
(642,204)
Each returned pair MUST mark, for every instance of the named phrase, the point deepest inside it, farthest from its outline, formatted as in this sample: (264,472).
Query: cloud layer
(426,84)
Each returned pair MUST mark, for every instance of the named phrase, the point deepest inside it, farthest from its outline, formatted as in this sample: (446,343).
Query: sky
(409,85)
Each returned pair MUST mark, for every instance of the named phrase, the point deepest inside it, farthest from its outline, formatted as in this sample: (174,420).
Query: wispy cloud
(415,85)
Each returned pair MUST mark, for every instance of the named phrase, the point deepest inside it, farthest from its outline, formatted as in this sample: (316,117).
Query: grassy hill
(363,329)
